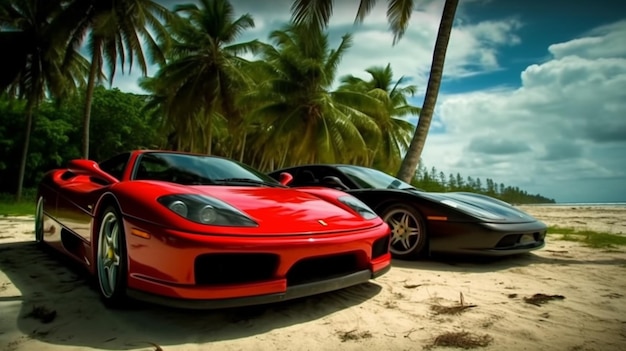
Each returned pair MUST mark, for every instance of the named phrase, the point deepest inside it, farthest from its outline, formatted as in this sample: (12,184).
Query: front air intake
(233,268)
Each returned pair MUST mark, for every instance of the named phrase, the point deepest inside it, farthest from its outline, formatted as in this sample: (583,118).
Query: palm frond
(365,7)
(312,13)
(398,14)
(335,56)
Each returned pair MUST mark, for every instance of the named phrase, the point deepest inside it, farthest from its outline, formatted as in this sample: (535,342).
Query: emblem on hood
(321,221)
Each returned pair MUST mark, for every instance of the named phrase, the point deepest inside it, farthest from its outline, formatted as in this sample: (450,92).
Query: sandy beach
(563,297)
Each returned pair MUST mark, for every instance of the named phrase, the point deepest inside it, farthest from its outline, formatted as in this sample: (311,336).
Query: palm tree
(395,130)
(305,120)
(205,72)
(37,68)
(316,14)
(118,31)
(413,154)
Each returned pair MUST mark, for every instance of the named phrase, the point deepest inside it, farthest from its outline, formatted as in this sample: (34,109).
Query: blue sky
(534,92)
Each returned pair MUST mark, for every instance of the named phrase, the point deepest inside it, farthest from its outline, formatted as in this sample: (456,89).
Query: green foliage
(49,144)
(120,124)
(302,118)
(11,116)
(118,121)
(26,207)
(589,237)
(393,128)
(198,88)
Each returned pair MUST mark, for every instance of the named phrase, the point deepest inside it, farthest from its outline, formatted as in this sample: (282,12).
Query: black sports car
(424,222)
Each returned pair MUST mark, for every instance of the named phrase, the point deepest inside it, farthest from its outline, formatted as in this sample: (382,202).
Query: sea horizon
(612,203)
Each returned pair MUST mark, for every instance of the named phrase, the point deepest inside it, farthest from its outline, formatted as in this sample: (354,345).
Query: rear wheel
(39,221)
(408,231)
(111,258)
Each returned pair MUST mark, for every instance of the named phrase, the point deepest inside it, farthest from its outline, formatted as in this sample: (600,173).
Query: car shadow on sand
(45,281)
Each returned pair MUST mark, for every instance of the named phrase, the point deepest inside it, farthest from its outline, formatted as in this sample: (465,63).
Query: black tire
(39,221)
(408,231)
(111,259)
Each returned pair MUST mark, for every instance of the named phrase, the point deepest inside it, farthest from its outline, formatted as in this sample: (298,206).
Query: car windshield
(198,170)
(373,179)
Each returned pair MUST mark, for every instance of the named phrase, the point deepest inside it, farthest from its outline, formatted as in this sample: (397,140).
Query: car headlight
(476,211)
(206,210)
(179,207)
(358,206)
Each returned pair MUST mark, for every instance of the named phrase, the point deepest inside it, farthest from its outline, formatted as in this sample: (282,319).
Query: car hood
(288,211)
(484,207)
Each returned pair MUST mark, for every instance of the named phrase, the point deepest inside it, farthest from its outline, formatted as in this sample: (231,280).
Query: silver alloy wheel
(39,221)
(109,254)
(406,231)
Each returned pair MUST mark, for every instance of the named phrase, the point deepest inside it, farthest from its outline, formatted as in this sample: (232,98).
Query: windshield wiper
(244,181)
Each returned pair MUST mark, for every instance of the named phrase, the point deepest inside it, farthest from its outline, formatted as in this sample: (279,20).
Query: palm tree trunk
(29,126)
(243,146)
(412,157)
(210,135)
(91,83)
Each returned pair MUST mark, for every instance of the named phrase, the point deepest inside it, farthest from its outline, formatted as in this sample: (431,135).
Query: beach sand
(583,293)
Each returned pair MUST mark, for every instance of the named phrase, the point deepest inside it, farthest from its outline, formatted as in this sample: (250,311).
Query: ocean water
(586,204)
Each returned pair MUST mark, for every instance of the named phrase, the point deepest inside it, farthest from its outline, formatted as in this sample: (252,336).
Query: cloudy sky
(534,92)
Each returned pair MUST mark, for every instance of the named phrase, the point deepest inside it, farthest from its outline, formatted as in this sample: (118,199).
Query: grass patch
(463,340)
(438,309)
(589,237)
(354,335)
(540,299)
(26,207)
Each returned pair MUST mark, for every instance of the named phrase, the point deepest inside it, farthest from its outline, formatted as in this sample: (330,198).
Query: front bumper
(293,292)
(486,239)
(207,271)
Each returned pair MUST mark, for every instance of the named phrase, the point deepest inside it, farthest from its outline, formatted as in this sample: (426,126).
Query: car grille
(325,267)
(234,268)
(521,239)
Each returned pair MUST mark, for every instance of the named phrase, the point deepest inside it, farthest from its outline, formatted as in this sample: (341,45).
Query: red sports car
(197,231)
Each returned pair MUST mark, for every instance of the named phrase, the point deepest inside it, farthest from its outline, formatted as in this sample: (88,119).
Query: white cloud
(565,123)
(602,42)
(472,49)
(497,32)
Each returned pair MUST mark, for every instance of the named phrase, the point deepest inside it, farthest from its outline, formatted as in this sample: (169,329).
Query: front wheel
(408,231)
(111,258)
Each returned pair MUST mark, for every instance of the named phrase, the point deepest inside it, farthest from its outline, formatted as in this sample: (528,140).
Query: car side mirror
(285,178)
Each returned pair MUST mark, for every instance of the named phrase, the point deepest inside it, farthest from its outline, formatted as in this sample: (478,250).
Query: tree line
(122,121)
(437,181)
